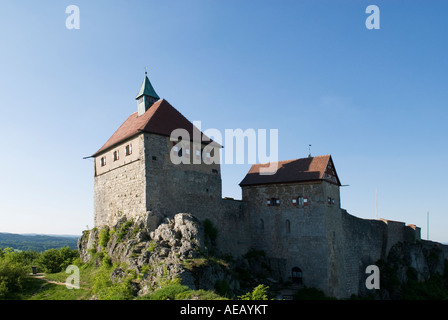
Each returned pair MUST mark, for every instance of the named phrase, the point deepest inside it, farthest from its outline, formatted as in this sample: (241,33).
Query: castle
(294,215)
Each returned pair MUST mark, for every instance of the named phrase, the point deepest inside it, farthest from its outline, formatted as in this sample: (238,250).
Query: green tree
(12,273)
(56,260)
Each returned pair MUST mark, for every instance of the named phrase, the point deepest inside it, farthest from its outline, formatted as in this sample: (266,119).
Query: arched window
(288,226)
(296,275)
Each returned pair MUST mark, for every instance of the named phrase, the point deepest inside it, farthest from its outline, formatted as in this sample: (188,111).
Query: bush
(12,273)
(104,237)
(105,289)
(168,292)
(124,229)
(56,260)
(260,292)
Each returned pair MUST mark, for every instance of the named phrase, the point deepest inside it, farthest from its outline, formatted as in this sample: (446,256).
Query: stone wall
(119,191)
(362,242)
(293,232)
(173,188)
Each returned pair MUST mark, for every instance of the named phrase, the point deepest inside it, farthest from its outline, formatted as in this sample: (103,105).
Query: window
(214,171)
(116,155)
(275,202)
(330,201)
(128,149)
(198,154)
(288,226)
(261,224)
(103,161)
(300,201)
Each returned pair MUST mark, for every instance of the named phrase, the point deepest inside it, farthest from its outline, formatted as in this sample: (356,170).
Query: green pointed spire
(147,89)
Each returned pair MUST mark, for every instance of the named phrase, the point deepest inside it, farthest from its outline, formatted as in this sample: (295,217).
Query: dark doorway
(296,275)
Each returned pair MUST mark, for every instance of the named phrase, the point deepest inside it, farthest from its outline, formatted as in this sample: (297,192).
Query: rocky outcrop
(411,265)
(159,249)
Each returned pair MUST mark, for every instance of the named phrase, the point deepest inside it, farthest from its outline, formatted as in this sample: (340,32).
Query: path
(42,276)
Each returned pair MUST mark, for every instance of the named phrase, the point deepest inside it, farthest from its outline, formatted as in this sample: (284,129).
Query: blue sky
(376,100)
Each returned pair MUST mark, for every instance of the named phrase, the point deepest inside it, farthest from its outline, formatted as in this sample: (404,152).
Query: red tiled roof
(298,170)
(161,118)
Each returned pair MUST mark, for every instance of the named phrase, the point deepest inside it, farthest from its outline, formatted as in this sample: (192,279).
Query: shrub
(12,274)
(168,292)
(260,292)
(124,230)
(56,260)
(104,237)
(105,289)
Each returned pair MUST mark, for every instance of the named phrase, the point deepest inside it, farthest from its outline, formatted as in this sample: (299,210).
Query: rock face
(159,249)
(408,264)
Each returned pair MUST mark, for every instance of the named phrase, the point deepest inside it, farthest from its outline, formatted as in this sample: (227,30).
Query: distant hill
(36,242)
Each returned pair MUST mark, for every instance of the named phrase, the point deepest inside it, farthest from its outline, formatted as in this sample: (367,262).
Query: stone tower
(290,212)
(134,173)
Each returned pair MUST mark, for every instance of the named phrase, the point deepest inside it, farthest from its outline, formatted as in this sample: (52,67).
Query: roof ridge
(291,160)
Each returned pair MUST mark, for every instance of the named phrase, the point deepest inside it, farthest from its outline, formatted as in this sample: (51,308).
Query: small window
(116,155)
(261,224)
(128,150)
(103,161)
(154,158)
(288,226)
(198,154)
(275,202)
(214,171)
(300,200)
